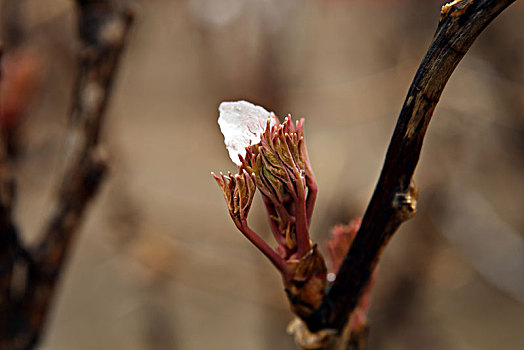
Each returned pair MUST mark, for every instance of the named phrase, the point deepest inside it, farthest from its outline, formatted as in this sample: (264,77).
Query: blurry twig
(394,199)
(103,28)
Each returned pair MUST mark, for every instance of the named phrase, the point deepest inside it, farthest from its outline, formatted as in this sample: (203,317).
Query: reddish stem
(311,198)
(302,232)
(281,240)
(254,238)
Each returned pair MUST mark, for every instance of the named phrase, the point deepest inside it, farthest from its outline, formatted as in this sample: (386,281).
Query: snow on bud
(241,123)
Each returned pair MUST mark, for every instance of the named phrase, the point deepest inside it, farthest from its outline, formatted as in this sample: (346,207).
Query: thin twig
(394,198)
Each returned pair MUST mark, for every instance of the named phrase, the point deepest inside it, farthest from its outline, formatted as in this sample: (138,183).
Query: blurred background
(159,264)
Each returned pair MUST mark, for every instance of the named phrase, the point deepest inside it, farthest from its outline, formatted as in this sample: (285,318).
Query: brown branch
(394,198)
(7,248)
(103,29)
(10,247)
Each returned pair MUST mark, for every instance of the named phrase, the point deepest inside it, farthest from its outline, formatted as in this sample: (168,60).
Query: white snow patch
(241,123)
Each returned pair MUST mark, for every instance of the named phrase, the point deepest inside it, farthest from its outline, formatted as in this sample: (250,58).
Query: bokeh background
(158,263)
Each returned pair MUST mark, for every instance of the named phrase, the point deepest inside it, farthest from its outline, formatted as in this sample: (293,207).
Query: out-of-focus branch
(394,198)
(10,248)
(6,246)
(103,28)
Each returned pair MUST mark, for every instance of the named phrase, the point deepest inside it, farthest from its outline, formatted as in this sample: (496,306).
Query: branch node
(405,202)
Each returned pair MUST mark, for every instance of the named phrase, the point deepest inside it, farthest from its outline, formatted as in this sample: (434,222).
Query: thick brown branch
(394,198)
